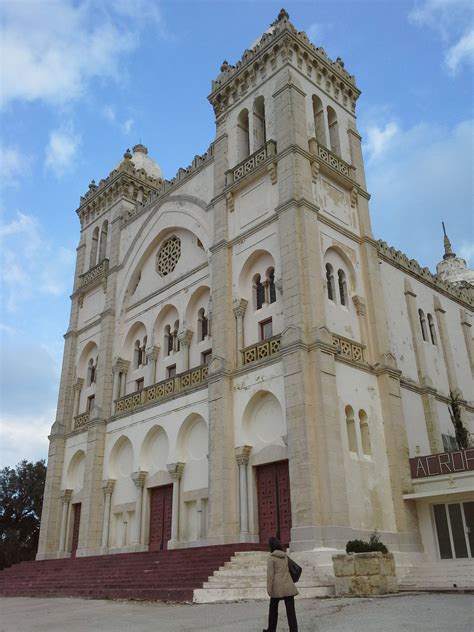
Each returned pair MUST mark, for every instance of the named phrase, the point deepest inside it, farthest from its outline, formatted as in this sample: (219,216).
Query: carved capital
(185,337)
(120,365)
(359,304)
(354,195)
(230,202)
(175,470)
(78,384)
(152,353)
(272,169)
(314,170)
(239,307)
(242,454)
(139,478)
(108,486)
(65,495)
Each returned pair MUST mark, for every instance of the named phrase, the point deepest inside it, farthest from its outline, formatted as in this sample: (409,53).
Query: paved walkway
(420,613)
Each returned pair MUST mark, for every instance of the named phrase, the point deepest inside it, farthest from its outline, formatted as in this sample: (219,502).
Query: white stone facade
(243,314)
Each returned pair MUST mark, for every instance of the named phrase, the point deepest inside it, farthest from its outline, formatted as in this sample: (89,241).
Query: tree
(21,500)
(462,435)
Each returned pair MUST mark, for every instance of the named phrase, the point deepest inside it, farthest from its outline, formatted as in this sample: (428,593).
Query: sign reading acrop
(443,463)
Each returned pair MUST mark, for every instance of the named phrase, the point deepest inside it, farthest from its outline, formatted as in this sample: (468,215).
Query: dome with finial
(141,160)
(453,269)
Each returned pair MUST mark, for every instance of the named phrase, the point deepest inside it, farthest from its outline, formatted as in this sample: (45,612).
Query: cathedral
(245,359)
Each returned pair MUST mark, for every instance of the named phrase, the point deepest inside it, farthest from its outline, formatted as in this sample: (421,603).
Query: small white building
(244,359)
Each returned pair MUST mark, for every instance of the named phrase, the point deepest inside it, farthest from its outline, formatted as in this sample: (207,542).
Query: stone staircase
(452,575)
(166,575)
(245,577)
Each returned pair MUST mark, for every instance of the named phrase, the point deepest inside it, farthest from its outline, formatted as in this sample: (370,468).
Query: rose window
(168,256)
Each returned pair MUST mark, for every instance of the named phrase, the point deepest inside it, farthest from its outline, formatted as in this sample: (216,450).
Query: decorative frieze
(81,420)
(348,349)
(251,163)
(162,390)
(261,350)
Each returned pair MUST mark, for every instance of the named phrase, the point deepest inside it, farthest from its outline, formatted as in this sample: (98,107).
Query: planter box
(362,574)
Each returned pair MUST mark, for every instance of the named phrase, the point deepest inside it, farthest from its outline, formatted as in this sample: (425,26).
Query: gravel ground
(420,612)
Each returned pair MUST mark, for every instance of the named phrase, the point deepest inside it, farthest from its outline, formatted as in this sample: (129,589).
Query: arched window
(94,245)
(318,114)
(330,281)
(259,132)
(333,131)
(90,372)
(143,352)
(364,432)
(270,286)
(137,355)
(176,343)
(431,325)
(258,291)
(168,340)
(103,240)
(351,429)
(422,324)
(341,279)
(243,144)
(203,325)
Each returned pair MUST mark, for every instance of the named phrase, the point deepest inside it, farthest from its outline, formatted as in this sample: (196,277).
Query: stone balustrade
(261,350)
(95,274)
(348,348)
(162,390)
(334,161)
(251,162)
(81,420)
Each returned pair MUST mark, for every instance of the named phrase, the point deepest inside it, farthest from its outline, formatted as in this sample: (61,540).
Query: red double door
(161,505)
(274,505)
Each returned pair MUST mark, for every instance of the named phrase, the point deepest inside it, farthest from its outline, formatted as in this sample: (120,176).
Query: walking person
(280,586)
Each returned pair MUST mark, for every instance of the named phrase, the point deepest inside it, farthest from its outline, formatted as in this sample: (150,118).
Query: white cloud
(30,265)
(452,21)
(423,178)
(13,165)
(61,151)
(52,51)
(379,139)
(128,126)
(467,252)
(461,52)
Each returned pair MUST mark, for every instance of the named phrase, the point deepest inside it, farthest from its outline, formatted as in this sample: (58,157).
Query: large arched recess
(180,212)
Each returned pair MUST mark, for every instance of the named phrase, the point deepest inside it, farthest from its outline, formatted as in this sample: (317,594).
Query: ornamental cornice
(424,275)
(282,42)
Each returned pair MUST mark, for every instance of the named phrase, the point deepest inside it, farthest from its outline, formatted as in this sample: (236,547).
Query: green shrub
(360,546)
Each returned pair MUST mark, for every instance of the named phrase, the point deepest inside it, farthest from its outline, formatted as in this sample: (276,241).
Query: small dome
(141,160)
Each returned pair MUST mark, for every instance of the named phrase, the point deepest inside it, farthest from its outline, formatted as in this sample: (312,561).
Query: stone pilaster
(445,344)
(466,330)
(152,359)
(239,309)
(77,389)
(139,480)
(65,498)
(175,471)
(242,455)
(108,489)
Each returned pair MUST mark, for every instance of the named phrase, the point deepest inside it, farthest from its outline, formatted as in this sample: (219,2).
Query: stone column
(139,480)
(359,304)
(66,504)
(184,338)
(466,330)
(176,471)
(152,360)
(119,370)
(239,308)
(108,487)
(242,455)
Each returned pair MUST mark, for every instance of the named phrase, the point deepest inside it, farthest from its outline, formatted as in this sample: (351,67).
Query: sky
(83,80)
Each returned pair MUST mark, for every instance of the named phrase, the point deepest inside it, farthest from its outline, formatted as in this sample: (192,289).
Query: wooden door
(161,505)
(75,528)
(274,506)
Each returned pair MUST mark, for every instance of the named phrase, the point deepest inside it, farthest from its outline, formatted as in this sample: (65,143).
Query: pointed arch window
(431,326)
(259,131)
(270,286)
(91,372)
(330,281)
(103,240)
(176,343)
(203,325)
(333,131)
(421,316)
(94,246)
(319,126)
(168,340)
(341,279)
(243,144)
